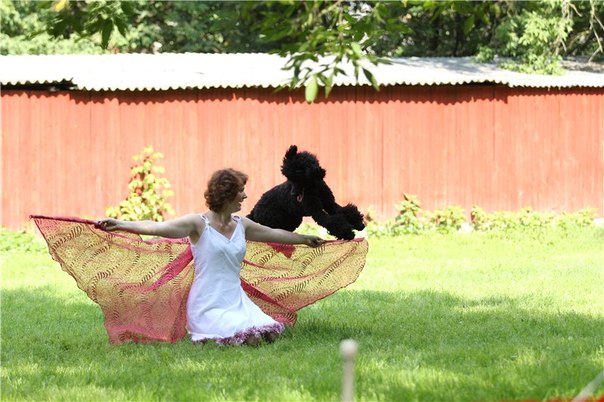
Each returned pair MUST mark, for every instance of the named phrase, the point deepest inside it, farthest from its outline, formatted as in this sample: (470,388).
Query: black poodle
(305,193)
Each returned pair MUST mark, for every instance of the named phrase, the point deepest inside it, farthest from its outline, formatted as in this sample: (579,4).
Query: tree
(531,37)
(24,31)
(317,36)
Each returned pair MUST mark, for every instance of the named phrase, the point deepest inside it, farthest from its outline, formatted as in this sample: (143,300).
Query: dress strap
(207,221)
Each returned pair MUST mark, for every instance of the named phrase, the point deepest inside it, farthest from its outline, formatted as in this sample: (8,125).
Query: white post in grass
(348,350)
(590,388)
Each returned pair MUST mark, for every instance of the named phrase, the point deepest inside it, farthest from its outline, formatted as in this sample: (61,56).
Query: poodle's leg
(350,211)
(328,201)
(336,225)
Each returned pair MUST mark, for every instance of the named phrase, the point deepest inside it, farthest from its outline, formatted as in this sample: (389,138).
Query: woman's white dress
(218,308)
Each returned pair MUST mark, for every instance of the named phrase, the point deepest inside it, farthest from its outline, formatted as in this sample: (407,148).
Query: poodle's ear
(288,166)
(292,151)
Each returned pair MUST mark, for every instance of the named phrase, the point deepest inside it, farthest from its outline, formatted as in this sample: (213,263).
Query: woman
(218,309)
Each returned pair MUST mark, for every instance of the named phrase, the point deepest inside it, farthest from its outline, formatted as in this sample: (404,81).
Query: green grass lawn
(467,317)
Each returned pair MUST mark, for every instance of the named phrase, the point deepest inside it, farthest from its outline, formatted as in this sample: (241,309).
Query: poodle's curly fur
(305,193)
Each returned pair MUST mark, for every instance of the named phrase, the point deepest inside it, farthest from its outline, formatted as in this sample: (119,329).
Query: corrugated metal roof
(196,70)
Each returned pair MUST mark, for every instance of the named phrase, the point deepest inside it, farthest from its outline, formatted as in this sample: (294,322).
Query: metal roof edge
(176,71)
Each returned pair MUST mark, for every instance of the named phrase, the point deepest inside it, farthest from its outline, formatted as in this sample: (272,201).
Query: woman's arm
(257,232)
(189,225)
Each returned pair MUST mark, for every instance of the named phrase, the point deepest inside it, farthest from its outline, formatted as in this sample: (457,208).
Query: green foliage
(443,28)
(529,36)
(530,221)
(411,219)
(407,216)
(580,219)
(479,219)
(24,31)
(376,228)
(408,220)
(586,37)
(534,36)
(338,31)
(184,26)
(382,229)
(20,242)
(88,18)
(448,219)
(533,40)
(149,191)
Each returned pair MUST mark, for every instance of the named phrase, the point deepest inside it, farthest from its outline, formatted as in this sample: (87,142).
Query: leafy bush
(382,229)
(13,241)
(407,219)
(528,220)
(149,191)
(411,219)
(582,218)
(479,219)
(373,227)
(448,219)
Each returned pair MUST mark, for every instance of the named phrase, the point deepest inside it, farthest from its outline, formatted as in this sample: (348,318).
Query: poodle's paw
(337,226)
(353,216)
(342,233)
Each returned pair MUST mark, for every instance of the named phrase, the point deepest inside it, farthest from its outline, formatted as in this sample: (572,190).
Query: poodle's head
(302,169)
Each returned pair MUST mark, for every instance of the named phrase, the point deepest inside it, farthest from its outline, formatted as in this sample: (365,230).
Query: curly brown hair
(223,186)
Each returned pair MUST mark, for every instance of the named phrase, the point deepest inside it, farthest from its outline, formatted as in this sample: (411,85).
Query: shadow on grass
(494,348)
(413,346)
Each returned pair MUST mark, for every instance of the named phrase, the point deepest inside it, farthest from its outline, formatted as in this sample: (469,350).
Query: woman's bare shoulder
(247,221)
(193,219)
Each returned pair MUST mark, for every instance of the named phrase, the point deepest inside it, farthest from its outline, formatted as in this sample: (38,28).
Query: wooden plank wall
(69,153)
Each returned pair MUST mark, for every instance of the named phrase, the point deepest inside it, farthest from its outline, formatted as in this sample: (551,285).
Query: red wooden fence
(69,153)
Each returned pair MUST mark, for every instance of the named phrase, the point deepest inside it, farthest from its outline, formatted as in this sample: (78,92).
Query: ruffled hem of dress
(241,336)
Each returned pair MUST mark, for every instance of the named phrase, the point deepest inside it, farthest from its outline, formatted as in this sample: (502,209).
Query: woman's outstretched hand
(108,224)
(314,241)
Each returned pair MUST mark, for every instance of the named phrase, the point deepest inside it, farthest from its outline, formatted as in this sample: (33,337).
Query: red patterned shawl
(142,285)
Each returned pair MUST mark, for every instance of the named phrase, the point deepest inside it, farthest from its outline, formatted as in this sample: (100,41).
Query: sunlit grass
(457,317)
